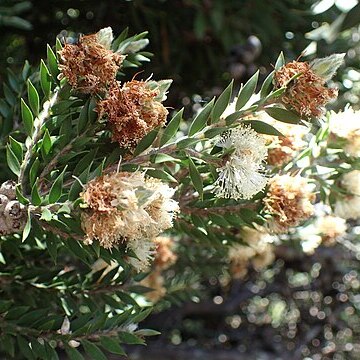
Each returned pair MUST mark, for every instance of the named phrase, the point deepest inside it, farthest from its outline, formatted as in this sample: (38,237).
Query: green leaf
(171,128)
(25,348)
(351,18)
(12,161)
(267,85)
(73,354)
(45,79)
(56,189)
(92,350)
(34,171)
(283,115)
(27,227)
(161,174)
(222,102)
(131,339)
(46,142)
(196,178)
(263,128)
(200,119)
(33,96)
(17,148)
(27,118)
(46,214)
(19,195)
(83,118)
(147,332)
(146,142)
(111,345)
(51,245)
(280,61)
(35,197)
(247,91)
(52,62)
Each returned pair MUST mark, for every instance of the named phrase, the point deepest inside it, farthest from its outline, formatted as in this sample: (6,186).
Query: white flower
(351,182)
(349,208)
(346,124)
(242,175)
(144,251)
(247,143)
(105,37)
(239,180)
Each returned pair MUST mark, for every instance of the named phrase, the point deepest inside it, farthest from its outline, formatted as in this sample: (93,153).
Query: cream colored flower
(330,228)
(126,207)
(242,175)
(289,201)
(346,124)
(257,250)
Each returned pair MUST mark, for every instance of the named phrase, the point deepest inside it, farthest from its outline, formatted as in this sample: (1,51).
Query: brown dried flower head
(127,207)
(289,201)
(307,94)
(89,65)
(132,110)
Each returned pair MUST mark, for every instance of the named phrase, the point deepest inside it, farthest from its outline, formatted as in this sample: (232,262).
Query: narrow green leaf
(19,195)
(280,61)
(147,332)
(247,91)
(27,227)
(17,148)
(146,142)
(111,345)
(46,142)
(131,339)
(12,161)
(267,85)
(161,174)
(221,103)
(92,350)
(34,171)
(52,62)
(73,354)
(200,119)
(283,115)
(171,128)
(25,348)
(56,189)
(196,178)
(45,79)
(263,128)
(35,197)
(27,118)
(51,245)
(83,118)
(33,96)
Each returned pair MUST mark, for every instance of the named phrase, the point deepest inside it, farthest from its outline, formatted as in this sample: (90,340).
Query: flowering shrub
(100,172)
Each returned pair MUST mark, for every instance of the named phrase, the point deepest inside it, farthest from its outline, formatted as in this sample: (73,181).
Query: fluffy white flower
(351,182)
(346,124)
(144,251)
(242,175)
(105,37)
(349,208)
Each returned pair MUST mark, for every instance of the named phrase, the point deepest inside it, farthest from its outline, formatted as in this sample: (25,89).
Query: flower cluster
(127,207)
(346,125)
(257,250)
(306,94)
(242,175)
(89,65)
(289,201)
(132,111)
(12,213)
(348,207)
(283,149)
(164,258)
